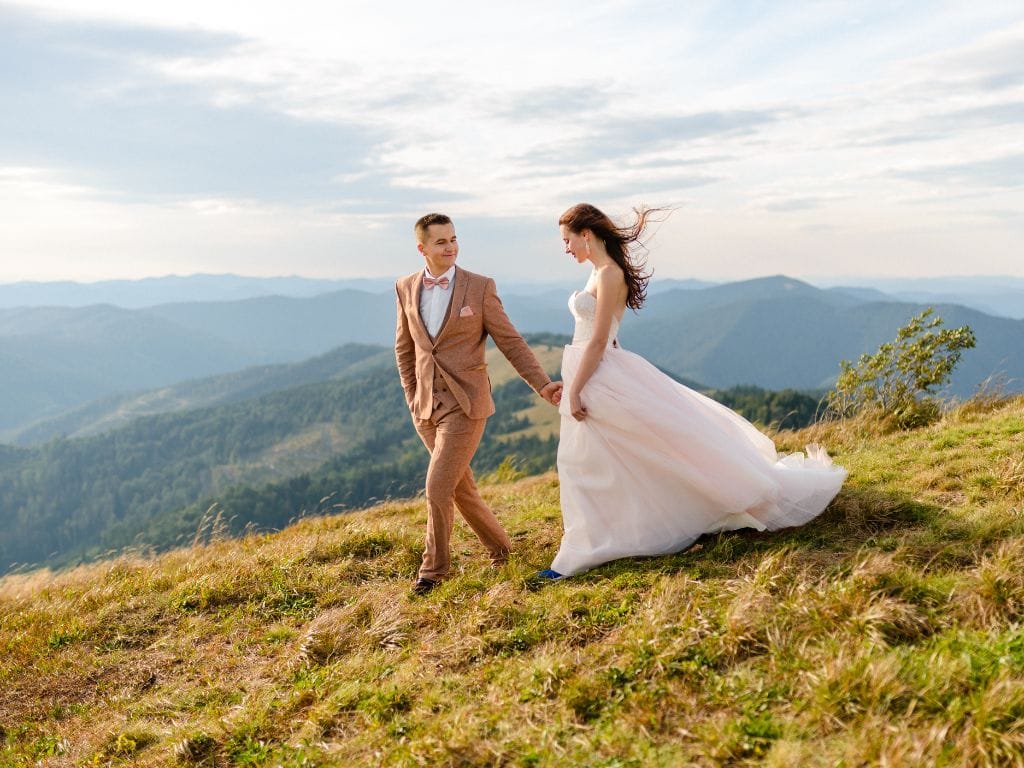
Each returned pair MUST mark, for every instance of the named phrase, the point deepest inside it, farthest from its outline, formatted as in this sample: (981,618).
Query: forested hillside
(117,410)
(84,496)
(264,461)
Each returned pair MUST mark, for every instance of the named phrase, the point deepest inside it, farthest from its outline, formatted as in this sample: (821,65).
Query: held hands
(552,392)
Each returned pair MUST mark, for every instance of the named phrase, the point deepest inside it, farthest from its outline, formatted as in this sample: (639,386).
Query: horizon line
(525,279)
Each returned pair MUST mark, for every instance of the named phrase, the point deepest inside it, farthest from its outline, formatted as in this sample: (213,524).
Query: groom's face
(439,248)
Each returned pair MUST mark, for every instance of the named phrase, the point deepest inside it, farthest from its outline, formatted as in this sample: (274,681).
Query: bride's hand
(579,412)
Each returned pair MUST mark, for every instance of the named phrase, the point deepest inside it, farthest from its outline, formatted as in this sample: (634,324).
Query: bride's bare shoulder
(611,276)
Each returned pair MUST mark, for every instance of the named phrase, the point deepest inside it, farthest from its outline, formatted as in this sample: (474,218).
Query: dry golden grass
(890,631)
(500,370)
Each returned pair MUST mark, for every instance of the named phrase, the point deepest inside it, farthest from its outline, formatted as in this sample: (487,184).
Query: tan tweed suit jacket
(457,354)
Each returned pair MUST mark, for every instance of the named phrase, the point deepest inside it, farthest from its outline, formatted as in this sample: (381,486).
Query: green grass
(890,631)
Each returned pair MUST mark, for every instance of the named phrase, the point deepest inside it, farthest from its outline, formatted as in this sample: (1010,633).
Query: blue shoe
(549,575)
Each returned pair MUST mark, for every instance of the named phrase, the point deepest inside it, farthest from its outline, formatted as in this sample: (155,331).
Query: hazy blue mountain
(175,289)
(1004,304)
(773,332)
(762,333)
(148,292)
(778,333)
(863,294)
(115,411)
(1002,296)
(283,329)
(54,358)
(997,295)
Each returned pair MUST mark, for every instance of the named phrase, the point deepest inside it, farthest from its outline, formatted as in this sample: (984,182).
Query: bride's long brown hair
(617,241)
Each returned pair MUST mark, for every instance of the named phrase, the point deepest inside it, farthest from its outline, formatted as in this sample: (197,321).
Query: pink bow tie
(430,282)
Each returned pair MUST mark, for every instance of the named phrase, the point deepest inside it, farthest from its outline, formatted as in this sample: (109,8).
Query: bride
(645,464)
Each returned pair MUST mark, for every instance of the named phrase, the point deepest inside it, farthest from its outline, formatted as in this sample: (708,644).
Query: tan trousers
(452,439)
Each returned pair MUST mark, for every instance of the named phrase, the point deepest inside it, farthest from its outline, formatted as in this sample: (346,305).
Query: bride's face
(575,244)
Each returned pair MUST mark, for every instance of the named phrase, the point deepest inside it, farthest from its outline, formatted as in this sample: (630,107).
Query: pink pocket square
(466,312)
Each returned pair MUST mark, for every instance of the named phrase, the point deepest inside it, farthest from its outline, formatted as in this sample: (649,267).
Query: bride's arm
(610,286)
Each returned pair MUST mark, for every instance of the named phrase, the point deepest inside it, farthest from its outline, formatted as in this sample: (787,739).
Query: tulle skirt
(656,464)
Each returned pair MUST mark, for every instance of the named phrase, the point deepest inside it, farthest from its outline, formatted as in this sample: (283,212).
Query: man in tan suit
(444,318)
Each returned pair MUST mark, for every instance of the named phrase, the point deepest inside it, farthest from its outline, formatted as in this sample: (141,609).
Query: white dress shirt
(434,302)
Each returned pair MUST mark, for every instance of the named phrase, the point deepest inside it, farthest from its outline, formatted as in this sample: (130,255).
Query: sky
(822,140)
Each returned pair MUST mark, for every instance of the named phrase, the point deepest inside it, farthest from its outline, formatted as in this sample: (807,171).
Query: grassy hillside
(543,419)
(887,632)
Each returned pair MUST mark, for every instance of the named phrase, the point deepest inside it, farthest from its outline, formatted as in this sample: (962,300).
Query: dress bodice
(583,306)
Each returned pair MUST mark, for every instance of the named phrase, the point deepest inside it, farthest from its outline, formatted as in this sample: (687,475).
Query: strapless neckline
(583,313)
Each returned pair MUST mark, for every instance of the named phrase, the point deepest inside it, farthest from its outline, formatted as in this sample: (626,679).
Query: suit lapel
(416,289)
(458,296)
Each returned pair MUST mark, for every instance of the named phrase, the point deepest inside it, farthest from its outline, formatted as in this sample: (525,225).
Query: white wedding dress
(654,464)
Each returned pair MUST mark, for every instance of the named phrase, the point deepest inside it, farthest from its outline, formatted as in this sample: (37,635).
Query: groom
(444,318)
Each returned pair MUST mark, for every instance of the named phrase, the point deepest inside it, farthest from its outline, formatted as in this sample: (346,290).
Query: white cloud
(297,131)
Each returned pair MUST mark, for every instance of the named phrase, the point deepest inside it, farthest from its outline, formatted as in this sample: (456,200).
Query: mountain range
(1002,296)
(771,332)
(780,332)
(171,289)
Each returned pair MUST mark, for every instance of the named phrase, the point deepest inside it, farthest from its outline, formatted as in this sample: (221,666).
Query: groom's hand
(552,392)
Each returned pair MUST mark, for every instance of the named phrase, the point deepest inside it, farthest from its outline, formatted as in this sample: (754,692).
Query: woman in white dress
(645,464)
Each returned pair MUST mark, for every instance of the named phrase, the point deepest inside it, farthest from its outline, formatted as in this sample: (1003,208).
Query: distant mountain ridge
(52,359)
(1002,296)
(995,295)
(171,289)
(151,291)
(773,332)
(779,332)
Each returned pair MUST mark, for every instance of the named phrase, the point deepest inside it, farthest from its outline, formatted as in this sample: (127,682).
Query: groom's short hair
(424,223)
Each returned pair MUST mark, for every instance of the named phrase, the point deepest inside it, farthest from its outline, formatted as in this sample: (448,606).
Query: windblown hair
(424,223)
(617,241)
